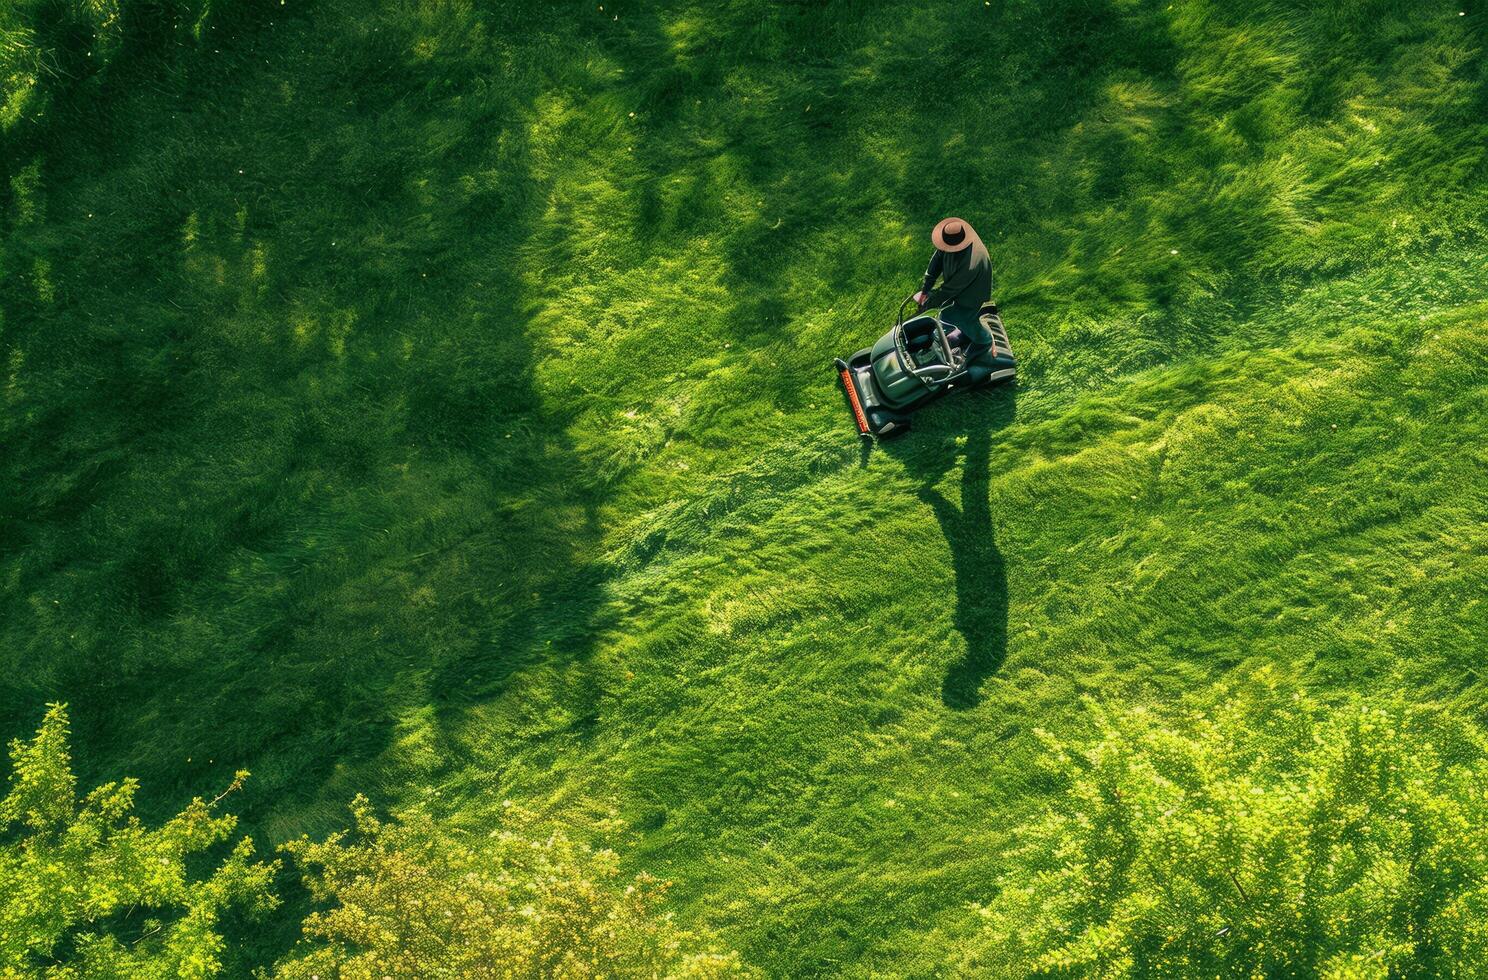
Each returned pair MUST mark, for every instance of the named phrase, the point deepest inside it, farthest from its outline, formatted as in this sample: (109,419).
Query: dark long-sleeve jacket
(965,277)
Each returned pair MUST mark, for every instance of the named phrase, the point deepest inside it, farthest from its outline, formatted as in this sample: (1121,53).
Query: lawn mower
(915,363)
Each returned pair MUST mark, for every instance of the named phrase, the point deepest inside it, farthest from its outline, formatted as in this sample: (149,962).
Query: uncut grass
(387,408)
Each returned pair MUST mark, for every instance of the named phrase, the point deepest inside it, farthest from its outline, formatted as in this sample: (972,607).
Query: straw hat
(952,235)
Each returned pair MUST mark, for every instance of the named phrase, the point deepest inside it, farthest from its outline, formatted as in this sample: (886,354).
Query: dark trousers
(978,337)
(970,349)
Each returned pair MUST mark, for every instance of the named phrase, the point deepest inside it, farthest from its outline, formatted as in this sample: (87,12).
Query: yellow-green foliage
(413,899)
(88,890)
(1272,836)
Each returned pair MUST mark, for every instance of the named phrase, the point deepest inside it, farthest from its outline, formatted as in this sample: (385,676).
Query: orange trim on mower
(852,396)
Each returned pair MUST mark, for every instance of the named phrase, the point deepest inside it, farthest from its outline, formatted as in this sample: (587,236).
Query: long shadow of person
(981,576)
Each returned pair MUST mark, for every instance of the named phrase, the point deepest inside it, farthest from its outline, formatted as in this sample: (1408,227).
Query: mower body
(917,362)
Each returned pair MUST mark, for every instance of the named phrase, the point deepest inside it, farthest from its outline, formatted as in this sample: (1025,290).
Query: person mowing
(961,264)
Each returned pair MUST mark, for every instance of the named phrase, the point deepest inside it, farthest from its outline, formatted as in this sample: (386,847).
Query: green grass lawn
(433,399)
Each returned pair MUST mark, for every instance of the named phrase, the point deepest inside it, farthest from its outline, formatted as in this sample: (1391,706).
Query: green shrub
(412,899)
(86,890)
(1275,837)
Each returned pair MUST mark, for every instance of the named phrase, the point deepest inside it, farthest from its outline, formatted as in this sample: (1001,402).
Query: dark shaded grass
(302,470)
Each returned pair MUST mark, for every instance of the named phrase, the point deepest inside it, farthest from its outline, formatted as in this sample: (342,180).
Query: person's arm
(952,285)
(932,273)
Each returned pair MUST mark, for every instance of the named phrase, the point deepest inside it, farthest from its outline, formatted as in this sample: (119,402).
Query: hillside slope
(434,401)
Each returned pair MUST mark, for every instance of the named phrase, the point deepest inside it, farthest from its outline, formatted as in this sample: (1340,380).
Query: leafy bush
(86,890)
(414,899)
(1275,837)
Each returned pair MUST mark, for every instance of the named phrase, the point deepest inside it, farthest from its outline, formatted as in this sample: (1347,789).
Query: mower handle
(928,368)
(907,300)
(923,373)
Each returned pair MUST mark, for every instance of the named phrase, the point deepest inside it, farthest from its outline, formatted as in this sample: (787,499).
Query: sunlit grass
(435,401)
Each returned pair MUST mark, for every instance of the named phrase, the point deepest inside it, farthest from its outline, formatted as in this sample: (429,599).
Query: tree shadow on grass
(927,454)
(323,505)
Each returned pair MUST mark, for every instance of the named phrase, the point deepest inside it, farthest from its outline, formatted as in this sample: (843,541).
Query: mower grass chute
(916,362)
